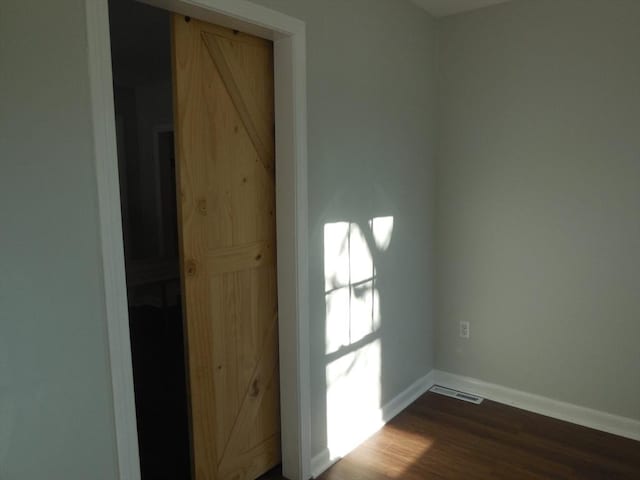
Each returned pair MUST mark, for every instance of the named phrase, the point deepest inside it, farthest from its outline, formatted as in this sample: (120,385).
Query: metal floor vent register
(448,392)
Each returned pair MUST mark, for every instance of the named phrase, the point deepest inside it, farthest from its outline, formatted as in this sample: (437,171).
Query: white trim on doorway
(288,35)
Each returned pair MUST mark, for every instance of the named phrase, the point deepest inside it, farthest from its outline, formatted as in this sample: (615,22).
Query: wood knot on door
(202,206)
(191,268)
(255,389)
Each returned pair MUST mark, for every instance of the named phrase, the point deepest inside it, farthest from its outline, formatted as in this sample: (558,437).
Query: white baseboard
(407,397)
(323,460)
(606,422)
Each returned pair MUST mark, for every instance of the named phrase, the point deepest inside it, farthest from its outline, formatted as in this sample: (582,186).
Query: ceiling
(441,8)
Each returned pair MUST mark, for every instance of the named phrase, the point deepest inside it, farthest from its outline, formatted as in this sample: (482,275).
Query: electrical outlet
(465,329)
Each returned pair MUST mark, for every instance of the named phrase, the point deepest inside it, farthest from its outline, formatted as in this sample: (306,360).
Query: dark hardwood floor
(443,438)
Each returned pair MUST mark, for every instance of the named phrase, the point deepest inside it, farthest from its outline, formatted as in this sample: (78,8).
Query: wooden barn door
(224,127)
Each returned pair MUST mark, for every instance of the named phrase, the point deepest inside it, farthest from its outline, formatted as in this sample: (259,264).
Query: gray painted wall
(537,207)
(371,112)
(538,199)
(371,103)
(56,416)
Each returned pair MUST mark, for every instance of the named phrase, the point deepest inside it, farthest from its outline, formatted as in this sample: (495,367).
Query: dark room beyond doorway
(140,44)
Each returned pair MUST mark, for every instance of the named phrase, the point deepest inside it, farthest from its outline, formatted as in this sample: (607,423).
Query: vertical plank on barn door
(223,88)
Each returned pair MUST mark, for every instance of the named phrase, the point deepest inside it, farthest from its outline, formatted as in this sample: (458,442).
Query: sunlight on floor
(408,451)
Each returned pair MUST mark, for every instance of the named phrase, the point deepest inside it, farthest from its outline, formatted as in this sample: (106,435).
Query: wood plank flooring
(443,438)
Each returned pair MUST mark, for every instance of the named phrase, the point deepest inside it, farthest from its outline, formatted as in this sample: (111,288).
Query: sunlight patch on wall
(353,398)
(382,228)
(352,342)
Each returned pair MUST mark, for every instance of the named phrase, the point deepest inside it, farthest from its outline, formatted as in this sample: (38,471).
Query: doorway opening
(289,38)
(141,65)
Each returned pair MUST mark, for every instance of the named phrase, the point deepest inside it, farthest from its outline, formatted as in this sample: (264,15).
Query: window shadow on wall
(353,320)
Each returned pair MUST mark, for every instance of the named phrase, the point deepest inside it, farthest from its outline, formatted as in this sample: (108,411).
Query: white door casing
(289,37)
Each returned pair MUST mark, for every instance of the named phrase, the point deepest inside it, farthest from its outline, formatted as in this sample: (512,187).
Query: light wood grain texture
(223,88)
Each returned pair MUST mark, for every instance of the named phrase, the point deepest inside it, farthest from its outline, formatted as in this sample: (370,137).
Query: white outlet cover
(465,329)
